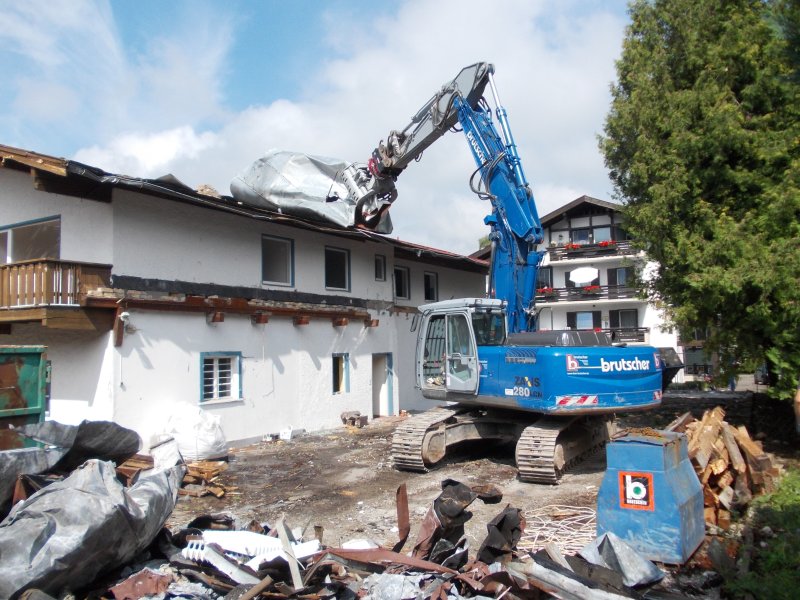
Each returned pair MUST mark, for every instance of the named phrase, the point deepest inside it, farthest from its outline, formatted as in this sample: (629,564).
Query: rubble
(731,466)
(69,532)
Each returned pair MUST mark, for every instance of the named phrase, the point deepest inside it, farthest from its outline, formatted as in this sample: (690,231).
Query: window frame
(343,378)
(236,377)
(572,319)
(615,318)
(406,271)
(5,251)
(346,254)
(380,261)
(435,278)
(290,265)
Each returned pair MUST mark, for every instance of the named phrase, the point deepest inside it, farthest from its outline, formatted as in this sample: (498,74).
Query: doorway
(382,388)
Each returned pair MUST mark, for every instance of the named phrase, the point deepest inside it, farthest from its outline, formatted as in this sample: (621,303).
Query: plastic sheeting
(300,185)
(613,553)
(68,533)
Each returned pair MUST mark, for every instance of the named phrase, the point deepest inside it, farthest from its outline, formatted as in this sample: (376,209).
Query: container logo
(636,491)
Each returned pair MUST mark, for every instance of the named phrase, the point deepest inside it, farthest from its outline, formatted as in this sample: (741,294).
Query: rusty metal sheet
(403,523)
(144,583)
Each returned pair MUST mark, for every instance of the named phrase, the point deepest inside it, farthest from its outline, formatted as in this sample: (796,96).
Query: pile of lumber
(202,479)
(731,465)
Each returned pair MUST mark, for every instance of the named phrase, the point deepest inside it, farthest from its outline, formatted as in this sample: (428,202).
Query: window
(544,278)
(341,373)
(621,276)
(337,269)
(431,287)
(489,328)
(221,376)
(623,319)
(581,236)
(602,234)
(571,284)
(380,267)
(402,289)
(277,260)
(30,241)
(589,319)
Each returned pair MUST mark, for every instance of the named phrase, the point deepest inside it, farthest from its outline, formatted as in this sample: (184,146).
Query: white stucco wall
(82,371)
(286,369)
(86,225)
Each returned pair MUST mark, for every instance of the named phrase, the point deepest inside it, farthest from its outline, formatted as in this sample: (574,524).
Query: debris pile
(202,479)
(731,465)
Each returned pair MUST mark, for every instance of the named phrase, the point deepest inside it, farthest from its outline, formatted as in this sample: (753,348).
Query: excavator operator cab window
(489,328)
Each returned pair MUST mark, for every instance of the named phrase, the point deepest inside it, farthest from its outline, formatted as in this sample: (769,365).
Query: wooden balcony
(53,292)
(620,248)
(588,293)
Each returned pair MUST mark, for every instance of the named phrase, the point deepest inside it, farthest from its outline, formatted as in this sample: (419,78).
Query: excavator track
(552,445)
(409,437)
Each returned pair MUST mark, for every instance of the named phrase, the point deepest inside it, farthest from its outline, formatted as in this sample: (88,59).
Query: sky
(201,89)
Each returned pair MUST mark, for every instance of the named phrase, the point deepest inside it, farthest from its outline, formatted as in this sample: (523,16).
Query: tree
(703,146)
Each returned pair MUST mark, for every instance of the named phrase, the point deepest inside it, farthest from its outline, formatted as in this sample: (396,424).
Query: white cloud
(554,64)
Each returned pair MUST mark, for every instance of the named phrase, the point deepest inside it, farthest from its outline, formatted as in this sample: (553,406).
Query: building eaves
(555,215)
(75,178)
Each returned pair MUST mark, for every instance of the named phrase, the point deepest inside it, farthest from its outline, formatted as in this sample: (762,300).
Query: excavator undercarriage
(545,446)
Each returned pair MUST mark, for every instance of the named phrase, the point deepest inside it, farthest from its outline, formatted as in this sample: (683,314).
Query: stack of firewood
(202,479)
(731,465)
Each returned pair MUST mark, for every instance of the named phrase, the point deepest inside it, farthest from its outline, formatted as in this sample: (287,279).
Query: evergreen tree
(703,146)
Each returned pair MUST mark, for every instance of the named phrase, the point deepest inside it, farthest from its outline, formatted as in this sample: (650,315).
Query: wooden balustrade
(49,283)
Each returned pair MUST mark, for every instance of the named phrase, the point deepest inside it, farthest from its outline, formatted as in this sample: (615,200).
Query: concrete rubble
(90,536)
(97,530)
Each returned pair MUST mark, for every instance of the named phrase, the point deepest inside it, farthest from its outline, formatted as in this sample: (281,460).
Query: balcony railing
(591,292)
(620,248)
(38,283)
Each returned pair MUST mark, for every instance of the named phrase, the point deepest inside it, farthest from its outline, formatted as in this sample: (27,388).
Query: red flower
(545,290)
(591,289)
(607,243)
(572,246)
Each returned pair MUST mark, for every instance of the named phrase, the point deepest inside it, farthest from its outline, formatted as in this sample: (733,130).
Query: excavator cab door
(461,360)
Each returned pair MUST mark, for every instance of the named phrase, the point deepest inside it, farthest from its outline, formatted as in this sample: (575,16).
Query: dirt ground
(343,480)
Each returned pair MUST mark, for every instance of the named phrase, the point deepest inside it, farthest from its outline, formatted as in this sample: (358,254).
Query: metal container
(651,497)
(23,388)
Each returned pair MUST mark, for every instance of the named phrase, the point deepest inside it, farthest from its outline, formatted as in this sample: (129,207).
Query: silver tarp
(300,185)
(68,533)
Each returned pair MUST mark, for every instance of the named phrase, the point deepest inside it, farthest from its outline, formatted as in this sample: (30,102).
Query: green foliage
(703,145)
(775,572)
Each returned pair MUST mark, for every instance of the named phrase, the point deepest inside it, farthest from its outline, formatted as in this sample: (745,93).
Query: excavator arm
(514,222)
(372,185)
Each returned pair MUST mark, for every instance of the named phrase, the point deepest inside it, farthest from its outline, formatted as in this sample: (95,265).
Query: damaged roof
(72,178)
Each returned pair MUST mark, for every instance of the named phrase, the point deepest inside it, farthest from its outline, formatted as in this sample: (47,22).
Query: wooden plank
(735,455)
(726,497)
(680,423)
(708,435)
(724,519)
(709,497)
(726,479)
(710,515)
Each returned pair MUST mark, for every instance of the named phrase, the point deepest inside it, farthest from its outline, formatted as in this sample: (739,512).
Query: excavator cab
(447,344)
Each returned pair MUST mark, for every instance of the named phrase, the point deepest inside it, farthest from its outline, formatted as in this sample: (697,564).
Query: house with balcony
(586,278)
(149,295)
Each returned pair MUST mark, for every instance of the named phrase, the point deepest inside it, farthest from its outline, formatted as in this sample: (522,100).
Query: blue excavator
(553,393)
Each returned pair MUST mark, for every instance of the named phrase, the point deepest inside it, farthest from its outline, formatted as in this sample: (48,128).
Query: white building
(586,277)
(148,294)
